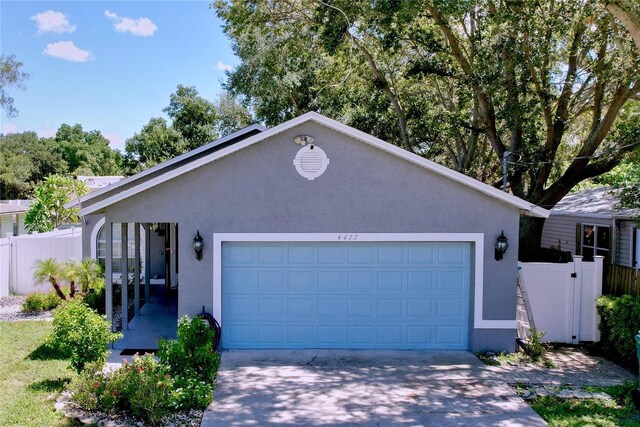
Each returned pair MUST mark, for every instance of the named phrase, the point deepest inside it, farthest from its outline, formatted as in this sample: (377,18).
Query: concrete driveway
(364,388)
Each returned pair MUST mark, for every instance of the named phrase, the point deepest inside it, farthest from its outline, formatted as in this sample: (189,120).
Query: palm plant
(49,270)
(85,273)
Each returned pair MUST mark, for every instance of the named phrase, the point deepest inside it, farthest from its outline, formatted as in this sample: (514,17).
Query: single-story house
(317,235)
(591,222)
(12,214)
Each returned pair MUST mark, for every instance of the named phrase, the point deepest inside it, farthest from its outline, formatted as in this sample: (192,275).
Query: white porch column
(108,271)
(173,243)
(124,268)
(136,267)
(147,263)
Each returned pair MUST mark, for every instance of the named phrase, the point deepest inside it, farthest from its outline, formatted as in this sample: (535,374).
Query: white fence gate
(563,298)
(18,255)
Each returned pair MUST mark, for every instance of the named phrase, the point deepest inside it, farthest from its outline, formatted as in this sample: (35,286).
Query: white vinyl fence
(18,255)
(563,298)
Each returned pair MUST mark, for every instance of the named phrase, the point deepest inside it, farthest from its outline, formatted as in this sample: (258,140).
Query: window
(101,247)
(595,240)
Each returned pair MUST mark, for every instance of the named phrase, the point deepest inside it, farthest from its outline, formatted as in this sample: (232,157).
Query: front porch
(156,320)
(142,296)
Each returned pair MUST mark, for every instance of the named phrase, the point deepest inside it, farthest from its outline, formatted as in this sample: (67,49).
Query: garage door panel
(360,281)
(331,281)
(301,281)
(390,282)
(271,253)
(420,281)
(346,295)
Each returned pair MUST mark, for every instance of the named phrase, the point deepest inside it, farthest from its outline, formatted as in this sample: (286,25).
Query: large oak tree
(459,81)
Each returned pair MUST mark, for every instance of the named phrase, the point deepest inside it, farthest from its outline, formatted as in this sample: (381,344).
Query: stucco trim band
(476,238)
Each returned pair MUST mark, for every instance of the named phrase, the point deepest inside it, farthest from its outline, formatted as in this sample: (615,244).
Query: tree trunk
(72,289)
(530,237)
(56,287)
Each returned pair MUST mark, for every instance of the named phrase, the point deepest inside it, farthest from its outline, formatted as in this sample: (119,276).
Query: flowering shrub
(150,389)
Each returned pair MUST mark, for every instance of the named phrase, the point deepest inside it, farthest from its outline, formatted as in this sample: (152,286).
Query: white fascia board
(529,208)
(476,238)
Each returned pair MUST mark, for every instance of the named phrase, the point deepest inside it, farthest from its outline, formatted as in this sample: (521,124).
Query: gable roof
(167,174)
(170,164)
(601,202)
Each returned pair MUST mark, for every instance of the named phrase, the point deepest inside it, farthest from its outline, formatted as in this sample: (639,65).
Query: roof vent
(311,162)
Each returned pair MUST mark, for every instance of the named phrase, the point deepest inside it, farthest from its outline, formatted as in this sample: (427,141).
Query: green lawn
(590,412)
(31,378)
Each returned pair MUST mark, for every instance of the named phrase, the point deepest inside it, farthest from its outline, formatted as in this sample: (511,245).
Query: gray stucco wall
(363,190)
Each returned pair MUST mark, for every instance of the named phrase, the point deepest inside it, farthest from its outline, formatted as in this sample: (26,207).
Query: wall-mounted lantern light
(198,244)
(502,243)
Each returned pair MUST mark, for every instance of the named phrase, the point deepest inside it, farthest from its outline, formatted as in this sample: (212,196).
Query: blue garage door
(394,295)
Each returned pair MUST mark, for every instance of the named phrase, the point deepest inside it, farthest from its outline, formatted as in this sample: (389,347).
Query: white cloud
(116,141)
(221,66)
(136,26)
(67,50)
(53,22)
(9,128)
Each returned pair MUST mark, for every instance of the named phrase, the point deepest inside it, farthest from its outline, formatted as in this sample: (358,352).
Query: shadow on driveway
(357,387)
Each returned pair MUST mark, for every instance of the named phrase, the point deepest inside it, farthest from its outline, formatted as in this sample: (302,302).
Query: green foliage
(535,347)
(142,388)
(619,324)
(11,75)
(95,299)
(41,302)
(86,153)
(191,354)
(193,117)
(81,332)
(48,270)
(86,273)
(459,81)
(182,379)
(25,160)
(195,121)
(47,210)
(561,412)
(155,143)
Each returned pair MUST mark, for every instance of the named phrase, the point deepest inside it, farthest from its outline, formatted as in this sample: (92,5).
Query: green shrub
(41,302)
(141,388)
(619,324)
(535,347)
(95,299)
(81,332)
(191,354)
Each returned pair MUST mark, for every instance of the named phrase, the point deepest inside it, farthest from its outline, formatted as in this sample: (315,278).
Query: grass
(31,376)
(514,359)
(590,412)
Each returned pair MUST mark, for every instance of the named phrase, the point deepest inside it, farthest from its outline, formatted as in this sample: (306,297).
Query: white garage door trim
(476,238)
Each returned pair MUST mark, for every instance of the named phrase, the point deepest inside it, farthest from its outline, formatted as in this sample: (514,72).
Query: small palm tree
(49,270)
(85,273)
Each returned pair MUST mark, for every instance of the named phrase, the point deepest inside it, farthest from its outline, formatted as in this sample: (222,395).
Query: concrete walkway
(363,388)
(573,367)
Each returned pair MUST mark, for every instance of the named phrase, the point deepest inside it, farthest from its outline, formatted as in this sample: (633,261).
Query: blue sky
(109,66)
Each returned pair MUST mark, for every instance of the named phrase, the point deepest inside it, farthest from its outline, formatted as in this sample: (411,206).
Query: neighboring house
(12,214)
(317,235)
(590,222)
(94,183)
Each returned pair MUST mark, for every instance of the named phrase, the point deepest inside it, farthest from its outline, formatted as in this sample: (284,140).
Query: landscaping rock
(11,310)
